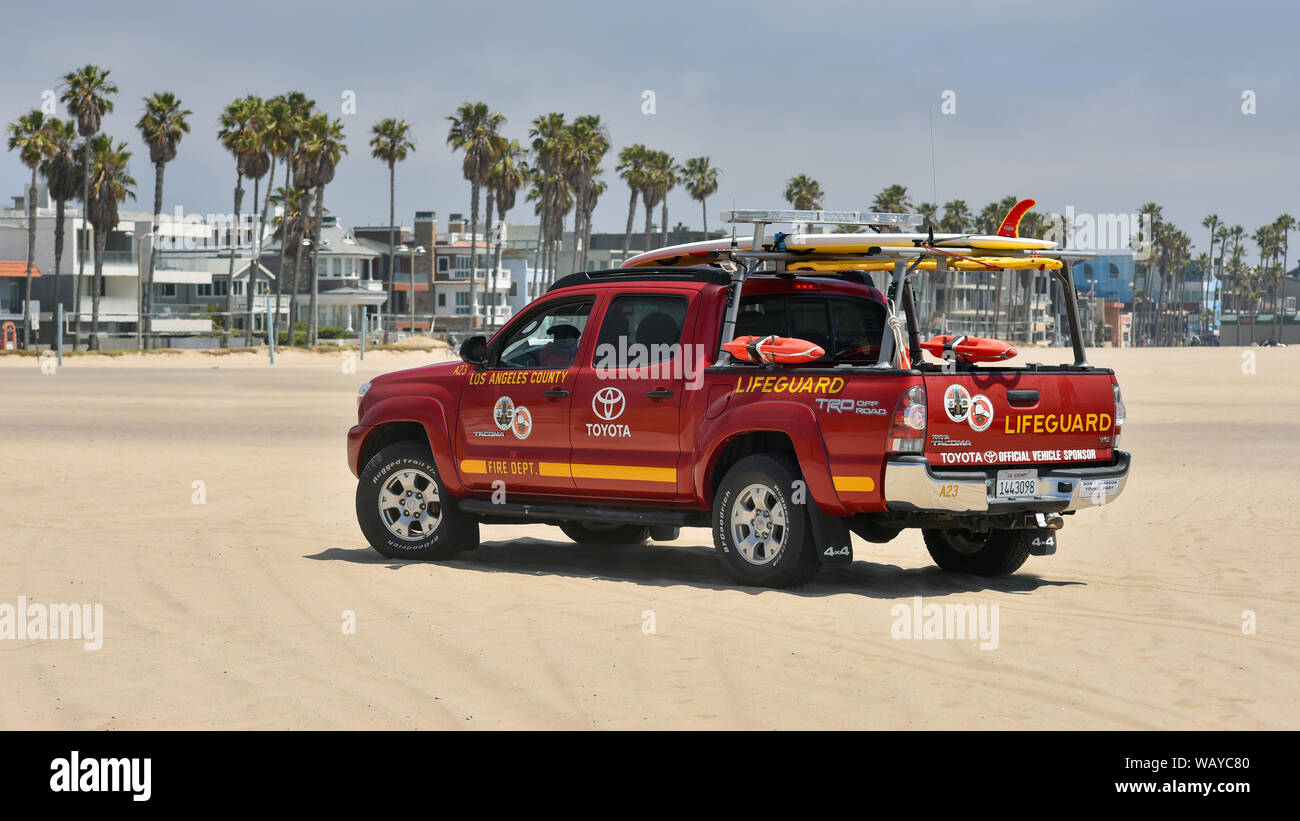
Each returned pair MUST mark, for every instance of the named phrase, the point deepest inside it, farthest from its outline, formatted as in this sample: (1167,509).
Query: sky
(1099,106)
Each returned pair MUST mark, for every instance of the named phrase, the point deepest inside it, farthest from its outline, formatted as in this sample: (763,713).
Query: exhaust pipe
(1050,521)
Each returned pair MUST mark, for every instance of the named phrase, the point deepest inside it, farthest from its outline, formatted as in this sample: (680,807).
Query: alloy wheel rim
(409,505)
(759,524)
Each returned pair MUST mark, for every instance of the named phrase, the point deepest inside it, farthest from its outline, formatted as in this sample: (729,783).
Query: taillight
(907,430)
(1120,413)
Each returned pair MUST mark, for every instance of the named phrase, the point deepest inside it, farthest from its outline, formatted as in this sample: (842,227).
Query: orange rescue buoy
(769,350)
(970,348)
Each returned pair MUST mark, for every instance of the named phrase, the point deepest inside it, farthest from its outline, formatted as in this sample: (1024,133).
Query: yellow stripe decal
(553,469)
(626,473)
(854,484)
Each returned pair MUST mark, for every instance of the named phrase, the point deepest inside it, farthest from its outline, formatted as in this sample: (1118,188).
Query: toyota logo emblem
(608,404)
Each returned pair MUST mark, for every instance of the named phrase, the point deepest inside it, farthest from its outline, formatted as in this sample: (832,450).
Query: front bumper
(912,485)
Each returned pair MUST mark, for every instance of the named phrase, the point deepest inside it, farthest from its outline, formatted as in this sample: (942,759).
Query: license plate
(1017,484)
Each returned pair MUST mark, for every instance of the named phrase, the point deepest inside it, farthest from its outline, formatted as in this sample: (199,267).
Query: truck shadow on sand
(674,565)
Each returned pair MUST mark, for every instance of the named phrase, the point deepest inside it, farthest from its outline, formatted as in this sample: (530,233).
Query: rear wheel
(600,533)
(761,537)
(404,510)
(992,553)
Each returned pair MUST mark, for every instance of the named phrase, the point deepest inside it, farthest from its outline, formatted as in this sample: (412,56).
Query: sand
(233,613)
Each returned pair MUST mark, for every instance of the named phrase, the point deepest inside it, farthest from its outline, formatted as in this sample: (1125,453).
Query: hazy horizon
(1100,108)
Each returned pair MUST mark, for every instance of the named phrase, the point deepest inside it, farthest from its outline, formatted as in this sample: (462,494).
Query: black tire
(396,467)
(994,553)
(595,533)
(794,560)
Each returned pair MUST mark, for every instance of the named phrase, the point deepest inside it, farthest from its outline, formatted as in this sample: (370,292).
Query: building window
(338,267)
(1114,271)
(444,264)
(462,298)
(442,300)
(168,289)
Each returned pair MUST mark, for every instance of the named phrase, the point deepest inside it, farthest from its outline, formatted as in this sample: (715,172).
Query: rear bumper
(912,485)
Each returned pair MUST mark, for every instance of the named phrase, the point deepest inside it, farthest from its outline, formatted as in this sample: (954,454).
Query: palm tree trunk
(230,276)
(649,210)
(146,299)
(473,256)
(490,276)
(496,266)
(664,215)
(31,260)
(260,227)
(83,244)
(704,215)
(631,214)
(252,272)
(313,322)
(392,245)
(97,284)
(577,229)
(295,305)
(284,244)
(58,265)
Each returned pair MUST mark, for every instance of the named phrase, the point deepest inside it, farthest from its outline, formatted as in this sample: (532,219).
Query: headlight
(361,393)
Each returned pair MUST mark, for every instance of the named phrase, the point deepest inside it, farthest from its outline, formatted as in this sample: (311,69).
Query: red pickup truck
(606,408)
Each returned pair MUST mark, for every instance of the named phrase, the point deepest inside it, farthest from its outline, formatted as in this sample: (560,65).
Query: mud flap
(830,536)
(1042,542)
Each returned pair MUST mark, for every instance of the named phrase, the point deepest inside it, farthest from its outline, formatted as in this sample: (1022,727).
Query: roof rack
(822,217)
(701,273)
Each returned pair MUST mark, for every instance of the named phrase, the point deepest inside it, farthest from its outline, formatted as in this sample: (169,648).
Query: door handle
(555,394)
(659,393)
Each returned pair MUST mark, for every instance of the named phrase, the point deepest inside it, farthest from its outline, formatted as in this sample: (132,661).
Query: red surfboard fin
(1011,225)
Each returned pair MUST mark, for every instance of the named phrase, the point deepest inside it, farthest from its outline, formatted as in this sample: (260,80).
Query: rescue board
(769,350)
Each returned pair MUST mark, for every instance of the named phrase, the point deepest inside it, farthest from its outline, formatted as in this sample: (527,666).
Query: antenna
(934,181)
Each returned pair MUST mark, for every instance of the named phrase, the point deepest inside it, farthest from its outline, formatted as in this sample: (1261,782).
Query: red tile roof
(17,269)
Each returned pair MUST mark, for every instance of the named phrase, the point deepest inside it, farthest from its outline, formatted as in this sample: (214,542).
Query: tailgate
(1019,417)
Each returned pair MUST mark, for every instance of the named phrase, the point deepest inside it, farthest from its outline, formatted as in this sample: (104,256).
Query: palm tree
(63,175)
(547,134)
(701,180)
(86,93)
(162,125)
(661,178)
(287,117)
(28,136)
(257,164)
(585,144)
(509,173)
(473,131)
(956,216)
(109,184)
(1282,225)
(391,143)
(1211,222)
(240,135)
(803,193)
(631,167)
(495,149)
(322,150)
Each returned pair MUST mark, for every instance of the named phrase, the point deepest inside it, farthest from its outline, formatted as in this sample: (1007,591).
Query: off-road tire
(795,560)
(454,531)
(958,550)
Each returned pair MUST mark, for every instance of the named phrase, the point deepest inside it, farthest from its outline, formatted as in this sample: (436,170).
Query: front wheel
(992,553)
(761,537)
(404,510)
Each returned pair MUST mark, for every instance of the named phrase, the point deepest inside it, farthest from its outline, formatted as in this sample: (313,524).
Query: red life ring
(970,348)
(774,350)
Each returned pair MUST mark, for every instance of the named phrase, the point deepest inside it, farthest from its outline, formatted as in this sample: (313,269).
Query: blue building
(1113,274)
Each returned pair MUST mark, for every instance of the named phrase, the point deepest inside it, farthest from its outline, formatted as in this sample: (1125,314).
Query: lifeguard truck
(625,404)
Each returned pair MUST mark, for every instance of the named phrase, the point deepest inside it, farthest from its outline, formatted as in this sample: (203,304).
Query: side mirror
(474,350)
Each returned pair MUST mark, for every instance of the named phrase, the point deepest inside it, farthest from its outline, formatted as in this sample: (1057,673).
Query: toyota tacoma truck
(607,407)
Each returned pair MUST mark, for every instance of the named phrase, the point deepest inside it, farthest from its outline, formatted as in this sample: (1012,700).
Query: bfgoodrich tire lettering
(760,536)
(407,469)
